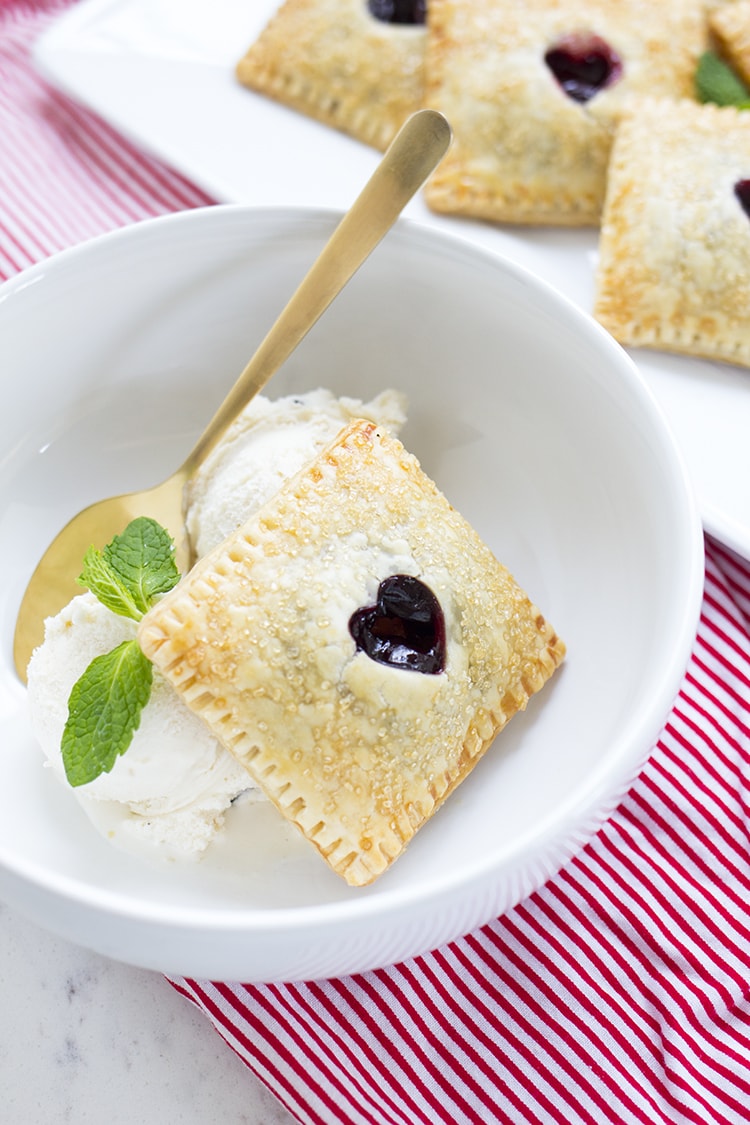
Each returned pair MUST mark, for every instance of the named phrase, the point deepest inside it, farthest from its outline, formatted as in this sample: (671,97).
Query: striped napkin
(620,992)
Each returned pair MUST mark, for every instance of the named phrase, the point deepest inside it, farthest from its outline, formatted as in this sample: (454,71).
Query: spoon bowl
(413,154)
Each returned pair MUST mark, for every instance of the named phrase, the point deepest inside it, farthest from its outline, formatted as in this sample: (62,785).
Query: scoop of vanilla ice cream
(174,783)
(267,444)
(170,789)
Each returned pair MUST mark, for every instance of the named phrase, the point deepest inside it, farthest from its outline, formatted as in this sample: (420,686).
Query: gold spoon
(413,154)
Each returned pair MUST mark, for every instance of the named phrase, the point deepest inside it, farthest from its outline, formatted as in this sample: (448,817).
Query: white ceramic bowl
(536,426)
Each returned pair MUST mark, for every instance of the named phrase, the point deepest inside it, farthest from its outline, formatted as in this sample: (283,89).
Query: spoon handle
(412,155)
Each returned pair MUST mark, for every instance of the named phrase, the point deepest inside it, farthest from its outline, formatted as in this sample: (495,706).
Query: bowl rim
(581,804)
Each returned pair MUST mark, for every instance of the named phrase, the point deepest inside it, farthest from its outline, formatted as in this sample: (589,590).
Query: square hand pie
(674,250)
(335,61)
(730,24)
(534,90)
(356,646)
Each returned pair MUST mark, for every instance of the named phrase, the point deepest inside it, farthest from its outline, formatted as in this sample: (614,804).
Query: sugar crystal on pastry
(258,640)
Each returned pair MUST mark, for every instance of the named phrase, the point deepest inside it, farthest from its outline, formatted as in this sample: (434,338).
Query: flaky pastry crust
(674,252)
(335,62)
(356,753)
(524,151)
(730,25)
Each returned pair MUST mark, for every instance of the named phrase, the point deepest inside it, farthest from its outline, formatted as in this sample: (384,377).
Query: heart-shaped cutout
(405,628)
(583,64)
(399,11)
(742,191)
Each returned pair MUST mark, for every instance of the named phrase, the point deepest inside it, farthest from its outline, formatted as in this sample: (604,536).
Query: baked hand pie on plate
(356,646)
(356,65)
(533,92)
(674,252)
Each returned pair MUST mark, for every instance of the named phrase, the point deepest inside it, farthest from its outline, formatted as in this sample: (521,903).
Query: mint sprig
(715,81)
(105,704)
(104,712)
(133,569)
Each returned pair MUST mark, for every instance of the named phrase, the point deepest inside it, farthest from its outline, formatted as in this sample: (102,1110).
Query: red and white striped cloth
(620,992)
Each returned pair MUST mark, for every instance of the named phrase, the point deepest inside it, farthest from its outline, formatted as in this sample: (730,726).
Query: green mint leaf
(104,711)
(105,704)
(131,570)
(142,557)
(104,582)
(715,81)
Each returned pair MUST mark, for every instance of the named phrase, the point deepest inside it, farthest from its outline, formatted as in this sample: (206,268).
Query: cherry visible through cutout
(405,628)
(742,191)
(583,64)
(399,11)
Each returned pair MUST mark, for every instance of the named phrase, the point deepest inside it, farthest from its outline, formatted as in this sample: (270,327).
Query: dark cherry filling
(742,191)
(583,64)
(405,627)
(399,11)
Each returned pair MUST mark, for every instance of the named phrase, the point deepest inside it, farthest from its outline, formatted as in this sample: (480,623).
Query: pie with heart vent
(674,253)
(534,91)
(357,647)
(356,65)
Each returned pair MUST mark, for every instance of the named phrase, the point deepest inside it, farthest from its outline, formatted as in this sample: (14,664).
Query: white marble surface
(84,1039)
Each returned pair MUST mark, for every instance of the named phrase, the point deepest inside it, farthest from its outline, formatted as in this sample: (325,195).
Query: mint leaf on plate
(715,81)
(133,569)
(104,711)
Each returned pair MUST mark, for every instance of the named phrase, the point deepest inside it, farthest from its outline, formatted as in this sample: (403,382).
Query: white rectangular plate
(162,71)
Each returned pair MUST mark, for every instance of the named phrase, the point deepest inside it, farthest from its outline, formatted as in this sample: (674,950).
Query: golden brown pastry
(356,646)
(674,250)
(730,24)
(335,61)
(534,90)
